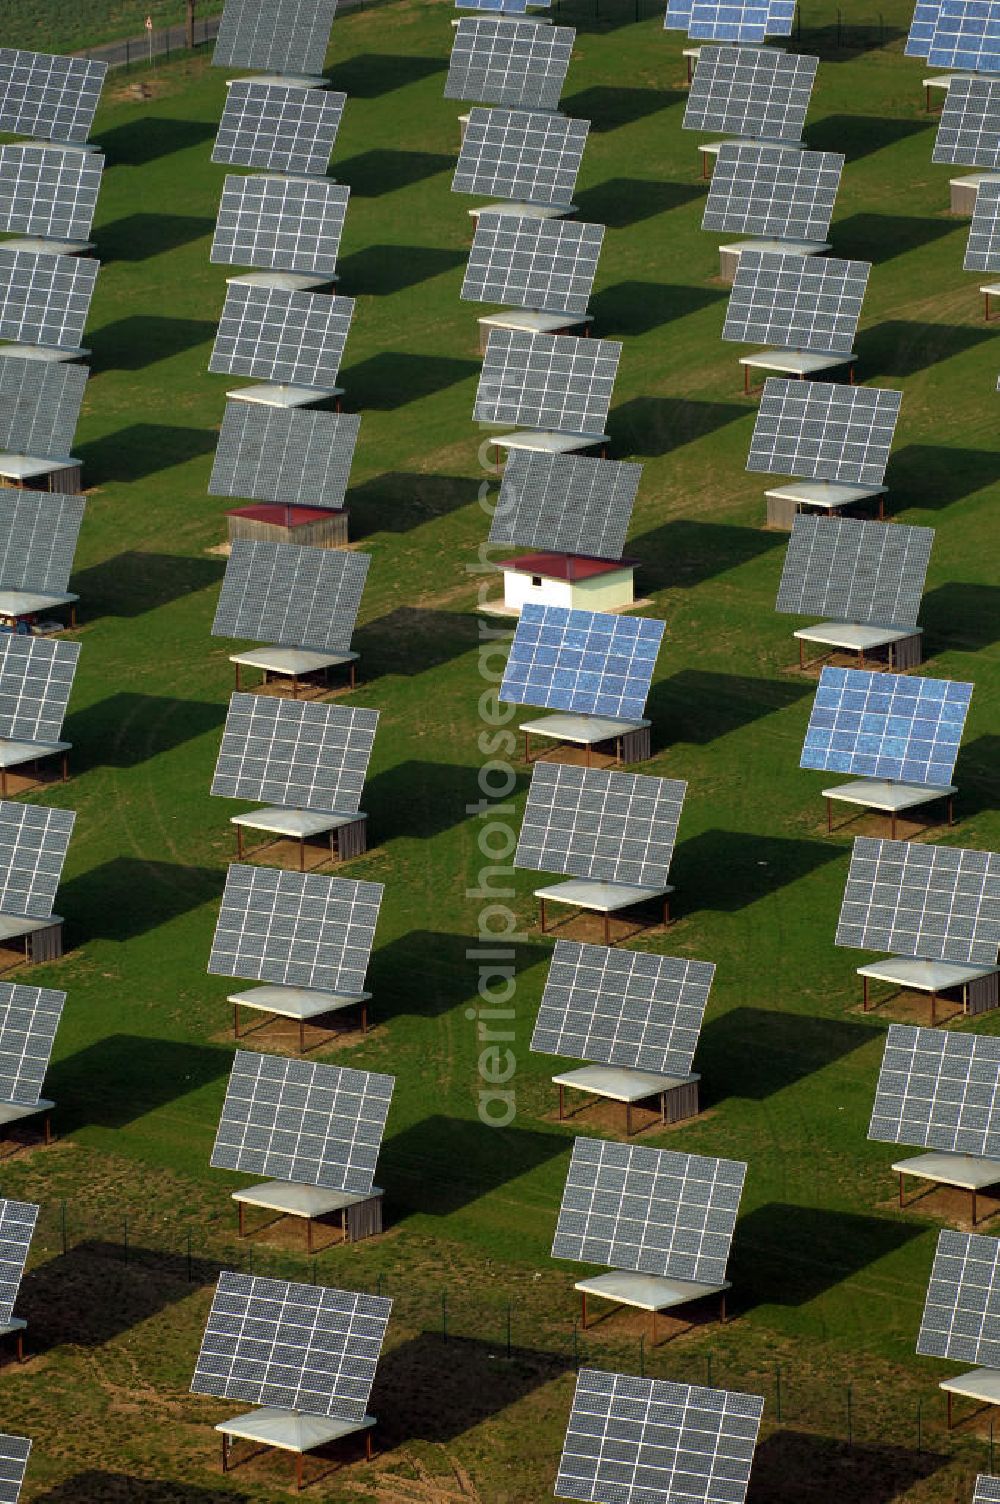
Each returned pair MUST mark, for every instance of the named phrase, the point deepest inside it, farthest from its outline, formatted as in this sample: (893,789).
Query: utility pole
(189,22)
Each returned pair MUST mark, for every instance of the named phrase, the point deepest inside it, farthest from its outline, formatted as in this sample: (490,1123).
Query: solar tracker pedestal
(18,754)
(307,527)
(982,1384)
(49,247)
(298,666)
(523,211)
(890,798)
(648,1292)
(968,1172)
(829,497)
(603,898)
(41,939)
(800,363)
(677,1095)
(941,81)
(989,290)
(964,190)
(887,647)
(729,255)
(300,1003)
(273,394)
(16,1112)
(285,80)
(531,321)
(710,149)
(978,987)
(285,281)
(15,1328)
(25,472)
(360,1215)
(290,1431)
(549,442)
(348,836)
(621,741)
(45,353)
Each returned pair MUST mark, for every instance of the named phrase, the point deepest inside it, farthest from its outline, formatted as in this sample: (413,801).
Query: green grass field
(72,25)
(829,1278)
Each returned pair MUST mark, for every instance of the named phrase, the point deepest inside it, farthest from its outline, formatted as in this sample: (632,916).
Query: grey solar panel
(295,929)
(288,224)
(14,1451)
(518,154)
(966,35)
(651,1441)
(987,1490)
(44,95)
(44,299)
(282,454)
(547,381)
(595,823)
(773,191)
(292,596)
(621,1007)
(36,678)
(17,1223)
(39,405)
(893,726)
(290,36)
(304,1123)
(298,754)
(522,64)
(856,571)
(650,1211)
(750,91)
(278,127)
(33,845)
(545,264)
(29,1018)
(49,191)
(961,1318)
(940,1091)
(295,338)
(801,302)
(568,503)
(982,253)
(38,533)
(941,903)
(969,128)
(291,1347)
(824,431)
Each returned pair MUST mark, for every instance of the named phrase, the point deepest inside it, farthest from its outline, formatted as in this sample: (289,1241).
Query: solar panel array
(14,1451)
(987,1490)
(285,224)
(17,1223)
(803,302)
(966,35)
(823,431)
(982,253)
(941,903)
(38,533)
(595,823)
(750,91)
(293,1347)
(296,597)
(530,263)
(886,726)
(45,299)
(854,570)
(29,1018)
(651,1211)
(961,1318)
(33,846)
(284,454)
(304,1123)
(773,191)
(925,14)
(547,381)
(49,192)
(295,753)
(295,928)
(519,154)
(296,338)
(588,662)
(969,128)
(39,405)
(522,64)
(47,96)
(278,127)
(620,1007)
(36,678)
(569,503)
(289,36)
(939,1090)
(631,1439)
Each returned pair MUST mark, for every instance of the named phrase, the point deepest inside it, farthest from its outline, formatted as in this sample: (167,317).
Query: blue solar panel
(678,16)
(967,35)
(729,20)
(509,7)
(886,726)
(925,14)
(585,661)
(780,18)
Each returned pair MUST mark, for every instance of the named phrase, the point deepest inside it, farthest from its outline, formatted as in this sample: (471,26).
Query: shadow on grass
(441,1164)
(140,141)
(607,109)
(619,202)
(137,237)
(394,379)
(371,74)
(797,1467)
(418,798)
(427,972)
(754,1052)
(684,553)
(400,500)
(788,1255)
(726,870)
(413,639)
(930,476)
(842,42)
(142,449)
(123,1077)
(653,426)
(901,347)
(699,706)
(127,729)
(961,617)
(861,135)
(125,1488)
(976,776)
(883,237)
(638,307)
(134,582)
(128,896)
(372,174)
(380,270)
(143,339)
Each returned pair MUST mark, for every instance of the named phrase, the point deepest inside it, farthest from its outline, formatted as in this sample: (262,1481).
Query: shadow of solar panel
(291,455)
(594,823)
(773,191)
(982,253)
(286,224)
(38,534)
(621,1007)
(17,1224)
(547,381)
(969,128)
(802,302)
(14,1451)
(650,1211)
(33,846)
(521,64)
(530,263)
(966,35)
(279,127)
(297,754)
(886,726)
(941,903)
(646,1440)
(517,154)
(287,35)
(822,431)
(750,91)
(987,1490)
(292,1347)
(29,1018)
(303,1123)
(45,95)
(296,929)
(49,191)
(855,571)
(39,406)
(940,1091)
(925,14)
(36,678)
(44,300)
(566,503)
(961,1317)
(295,338)
(291,596)
(590,662)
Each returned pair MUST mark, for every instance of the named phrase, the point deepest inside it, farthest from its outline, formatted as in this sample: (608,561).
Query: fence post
(62,1220)
(378,1285)
(920,1426)
(850,1419)
(798,22)
(777,1390)
(839,28)
(190,1270)
(881,29)
(708,1369)
(576,1345)
(125,1244)
(444,1315)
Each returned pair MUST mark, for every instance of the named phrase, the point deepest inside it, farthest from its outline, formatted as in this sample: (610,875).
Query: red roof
(283,516)
(564,566)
